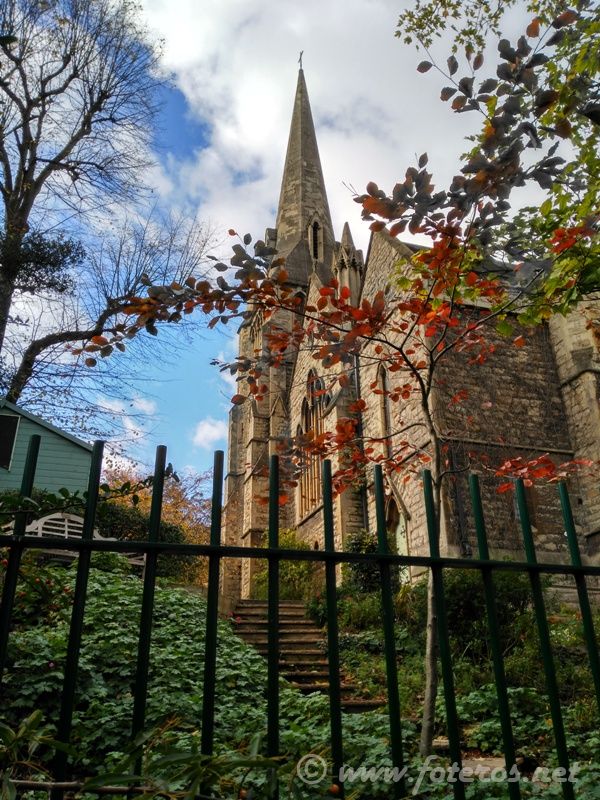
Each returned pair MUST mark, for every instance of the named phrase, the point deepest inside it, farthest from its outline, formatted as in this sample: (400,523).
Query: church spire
(303,216)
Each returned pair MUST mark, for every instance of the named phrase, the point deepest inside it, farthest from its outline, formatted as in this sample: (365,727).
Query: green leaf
(504,328)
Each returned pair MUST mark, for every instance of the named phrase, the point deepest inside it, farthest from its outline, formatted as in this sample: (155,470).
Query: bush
(365,577)
(297,579)
(466,610)
(128,523)
(355,613)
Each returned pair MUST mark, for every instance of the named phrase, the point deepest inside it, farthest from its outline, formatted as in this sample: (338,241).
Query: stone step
(291,654)
(302,666)
(304,676)
(246,628)
(262,618)
(310,688)
(300,662)
(285,638)
(262,622)
(265,603)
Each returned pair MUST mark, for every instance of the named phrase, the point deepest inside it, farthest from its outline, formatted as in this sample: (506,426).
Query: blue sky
(221,144)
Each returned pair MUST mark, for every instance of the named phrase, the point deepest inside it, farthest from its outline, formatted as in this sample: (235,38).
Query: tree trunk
(7,289)
(431,673)
(431,644)
(10,252)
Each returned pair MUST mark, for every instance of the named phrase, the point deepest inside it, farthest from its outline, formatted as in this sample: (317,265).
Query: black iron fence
(17,542)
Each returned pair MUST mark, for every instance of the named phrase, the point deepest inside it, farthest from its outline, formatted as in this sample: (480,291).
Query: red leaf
(377,226)
(519,341)
(231,232)
(238,399)
(566,18)
(505,487)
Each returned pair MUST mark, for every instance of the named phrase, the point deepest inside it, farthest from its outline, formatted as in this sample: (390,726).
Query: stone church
(540,398)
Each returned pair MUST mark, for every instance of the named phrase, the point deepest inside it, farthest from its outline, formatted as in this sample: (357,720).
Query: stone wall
(578,363)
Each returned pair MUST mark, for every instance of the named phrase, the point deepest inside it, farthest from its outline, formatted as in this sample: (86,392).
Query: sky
(232,70)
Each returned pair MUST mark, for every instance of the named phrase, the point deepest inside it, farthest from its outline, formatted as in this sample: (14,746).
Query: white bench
(68,526)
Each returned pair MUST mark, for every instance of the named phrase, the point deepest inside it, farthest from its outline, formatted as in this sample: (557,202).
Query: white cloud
(208,432)
(144,405)
(236,64)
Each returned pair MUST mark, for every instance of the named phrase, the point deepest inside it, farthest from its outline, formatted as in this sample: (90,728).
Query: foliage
(18,752)
(297,579)
(185,508)
(104,701)
(466,610)
(470,20)
(361,576)
(129,523)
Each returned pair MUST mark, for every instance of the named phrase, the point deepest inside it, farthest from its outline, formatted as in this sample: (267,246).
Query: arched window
(316,236)
(385,416)
(311,422)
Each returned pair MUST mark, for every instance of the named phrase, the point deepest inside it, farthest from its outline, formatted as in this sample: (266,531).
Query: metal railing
(18,542)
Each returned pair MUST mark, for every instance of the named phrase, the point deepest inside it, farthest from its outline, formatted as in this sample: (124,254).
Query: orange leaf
(505,487)
(238,399)
(533,29)
(101,340)
(377,226)
(519,341)
(471,278)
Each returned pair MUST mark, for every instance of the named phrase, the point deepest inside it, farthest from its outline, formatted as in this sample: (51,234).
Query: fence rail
(18,542)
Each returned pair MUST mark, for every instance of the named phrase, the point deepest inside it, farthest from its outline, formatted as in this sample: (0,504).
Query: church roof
(303,199)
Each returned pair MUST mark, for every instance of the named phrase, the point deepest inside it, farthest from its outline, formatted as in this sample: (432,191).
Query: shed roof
(43,423)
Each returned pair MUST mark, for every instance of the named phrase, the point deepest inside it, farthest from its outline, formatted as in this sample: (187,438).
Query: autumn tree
(486,274)
(186,506)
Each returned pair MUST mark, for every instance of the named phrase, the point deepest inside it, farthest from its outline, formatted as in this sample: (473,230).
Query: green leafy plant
(297,579)
(364,577)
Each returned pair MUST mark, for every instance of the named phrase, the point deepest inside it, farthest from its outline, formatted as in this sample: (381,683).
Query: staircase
(302,649)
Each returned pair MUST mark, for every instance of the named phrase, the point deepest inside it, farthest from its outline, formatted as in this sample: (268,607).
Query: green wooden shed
(63,462)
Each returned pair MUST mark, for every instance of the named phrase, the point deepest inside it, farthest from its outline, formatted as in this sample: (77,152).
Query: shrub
(297,579)
(466,610)
(128,523)
(365,577)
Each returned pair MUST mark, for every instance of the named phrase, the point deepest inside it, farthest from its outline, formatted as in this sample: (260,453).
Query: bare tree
(61,333)
(77,100)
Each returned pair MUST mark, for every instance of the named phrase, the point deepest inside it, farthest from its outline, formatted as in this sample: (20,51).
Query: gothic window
(315,236)
(311,422)
(385,416)
(256,333)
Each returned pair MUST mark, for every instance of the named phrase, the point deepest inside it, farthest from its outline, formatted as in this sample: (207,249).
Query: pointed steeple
(347,240)
(304,229)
